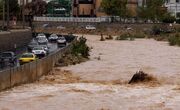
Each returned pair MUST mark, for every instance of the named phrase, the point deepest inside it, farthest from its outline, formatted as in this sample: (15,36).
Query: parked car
(90,27)
(61,42)
(26,58)
(8,58)
(42,40)
(53,38)
(32,44)
(39,51)
(61,27)
(45,25)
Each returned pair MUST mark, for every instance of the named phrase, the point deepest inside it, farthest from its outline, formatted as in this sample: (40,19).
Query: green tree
(14,8)
(152,10)
(115,7)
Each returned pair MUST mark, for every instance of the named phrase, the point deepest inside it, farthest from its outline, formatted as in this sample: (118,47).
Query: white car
(61,27)
(46,48)
(42,40)
(61,41)
(90,27)
(53,38)
(41,35)
(39,51)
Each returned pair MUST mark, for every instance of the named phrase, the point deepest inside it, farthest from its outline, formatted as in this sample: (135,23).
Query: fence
(72,19)
(32,71)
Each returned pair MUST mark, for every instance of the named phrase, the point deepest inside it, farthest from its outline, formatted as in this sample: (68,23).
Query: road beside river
(101,82)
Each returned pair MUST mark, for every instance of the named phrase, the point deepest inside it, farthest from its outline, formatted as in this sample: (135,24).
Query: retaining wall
(14,38)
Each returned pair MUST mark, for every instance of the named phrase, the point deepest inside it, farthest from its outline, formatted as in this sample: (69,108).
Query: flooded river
(101,82)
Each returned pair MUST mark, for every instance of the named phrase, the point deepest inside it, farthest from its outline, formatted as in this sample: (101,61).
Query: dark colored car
(8,59)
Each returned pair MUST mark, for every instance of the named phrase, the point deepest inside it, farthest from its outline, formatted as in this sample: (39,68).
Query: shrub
(168,19)
(174,40)
(156,30)
(161,38)
(139,35)
(178,21)
(81,48)
(109,37)
(125,36)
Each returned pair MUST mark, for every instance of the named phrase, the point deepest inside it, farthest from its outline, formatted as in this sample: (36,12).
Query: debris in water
(102,38)
(109,37)
(141,76)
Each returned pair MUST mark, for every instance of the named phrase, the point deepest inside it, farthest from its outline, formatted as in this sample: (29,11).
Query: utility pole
(23,15)
(7,4)
(3,13)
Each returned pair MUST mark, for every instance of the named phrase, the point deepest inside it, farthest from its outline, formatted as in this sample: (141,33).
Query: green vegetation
(162,29)
(78,53)
(115,7)
(14,8)
(37,7)
(80,48)
(130,36)
(174,40)
(125,36)
(153,10)
(168,18)
(139,35)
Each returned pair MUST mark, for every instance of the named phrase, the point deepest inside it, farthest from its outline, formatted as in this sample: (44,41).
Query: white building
(173,7)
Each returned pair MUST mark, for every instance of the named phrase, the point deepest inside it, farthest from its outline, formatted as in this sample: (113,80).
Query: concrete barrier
(14,38)
(32,71)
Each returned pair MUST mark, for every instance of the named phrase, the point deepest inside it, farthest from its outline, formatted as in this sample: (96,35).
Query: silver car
(61,41)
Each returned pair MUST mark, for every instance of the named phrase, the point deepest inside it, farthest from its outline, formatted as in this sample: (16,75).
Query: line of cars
(37,48)
(60,40)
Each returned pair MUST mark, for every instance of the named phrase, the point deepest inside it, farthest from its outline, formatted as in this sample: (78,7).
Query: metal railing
(71,19)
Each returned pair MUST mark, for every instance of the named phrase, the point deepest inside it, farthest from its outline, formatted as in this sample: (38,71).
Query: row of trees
(14,8)
(152,10)
(37,7)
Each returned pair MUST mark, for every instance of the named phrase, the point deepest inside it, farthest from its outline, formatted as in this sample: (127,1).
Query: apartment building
(92,8)
(83,8)
(173,7)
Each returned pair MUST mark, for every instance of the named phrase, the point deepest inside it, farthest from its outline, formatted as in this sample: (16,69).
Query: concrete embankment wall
(14,39)
(31,72)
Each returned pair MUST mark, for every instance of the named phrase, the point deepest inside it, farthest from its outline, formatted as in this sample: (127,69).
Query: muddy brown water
(101,82)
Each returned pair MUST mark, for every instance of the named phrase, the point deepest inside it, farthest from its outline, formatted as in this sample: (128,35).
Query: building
(92,8)
(60,8)
(84,8)
(173,7)
(20,2)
